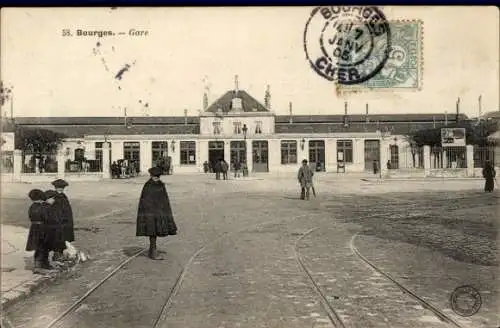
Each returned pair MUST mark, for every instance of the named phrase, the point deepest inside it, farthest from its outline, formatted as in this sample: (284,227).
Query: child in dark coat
(38,234)
(63,212)
(54,225)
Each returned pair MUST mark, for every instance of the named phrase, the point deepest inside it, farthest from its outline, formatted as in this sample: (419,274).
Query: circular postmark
(465,301)
(345,44)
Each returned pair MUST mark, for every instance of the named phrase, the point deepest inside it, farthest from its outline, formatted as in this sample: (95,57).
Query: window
(237,127)
(394,157)
(159,151)
(344,147)
(258,127)
(188,152)
(289,152)
(217,129)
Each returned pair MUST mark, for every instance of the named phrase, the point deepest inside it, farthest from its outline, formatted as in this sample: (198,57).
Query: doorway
(317,154)
(215,151)
(372,153)
(238,152)
(260,156)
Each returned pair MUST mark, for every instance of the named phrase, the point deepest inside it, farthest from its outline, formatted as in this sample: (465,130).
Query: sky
(56,75)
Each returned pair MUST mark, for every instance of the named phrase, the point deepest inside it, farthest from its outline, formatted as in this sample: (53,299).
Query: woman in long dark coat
(64,213)
(489,174)
(154,216)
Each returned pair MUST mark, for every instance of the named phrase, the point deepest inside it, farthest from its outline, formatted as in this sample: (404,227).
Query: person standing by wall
(154,215)
(225,168)
(489,175)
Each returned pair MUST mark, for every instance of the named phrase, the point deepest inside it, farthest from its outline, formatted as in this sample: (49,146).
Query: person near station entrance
(206,167)
(154,215)
(375,166)
(305,177)
(237,168)
(489,175)
(64,213)
(225,168)
(218,169)
(37,235)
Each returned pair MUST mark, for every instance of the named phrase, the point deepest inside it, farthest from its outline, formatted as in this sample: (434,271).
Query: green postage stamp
(404,66)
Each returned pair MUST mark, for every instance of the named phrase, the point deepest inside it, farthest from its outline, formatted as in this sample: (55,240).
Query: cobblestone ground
(432,237)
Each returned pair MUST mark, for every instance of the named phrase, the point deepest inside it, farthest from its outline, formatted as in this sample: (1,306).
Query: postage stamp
(347,45)
(404,66)
(465,301)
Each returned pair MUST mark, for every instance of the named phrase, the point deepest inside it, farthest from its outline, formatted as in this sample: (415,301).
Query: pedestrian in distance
(154,216)
(225,168)
(237,168)
(64,213)
(305,176)
(218,169)
(37,233)
(489,175)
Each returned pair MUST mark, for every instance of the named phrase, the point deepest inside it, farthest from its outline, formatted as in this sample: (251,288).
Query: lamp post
(245,168)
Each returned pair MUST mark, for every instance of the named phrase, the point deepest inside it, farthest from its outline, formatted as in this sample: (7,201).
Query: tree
(37,140)
(476,133)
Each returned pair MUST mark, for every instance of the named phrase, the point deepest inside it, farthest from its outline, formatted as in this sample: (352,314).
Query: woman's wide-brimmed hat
(60,183)
(155,171)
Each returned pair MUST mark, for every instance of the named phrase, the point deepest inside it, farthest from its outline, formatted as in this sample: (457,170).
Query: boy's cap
(36,194)
(60,183)
(155,171)
(50,194)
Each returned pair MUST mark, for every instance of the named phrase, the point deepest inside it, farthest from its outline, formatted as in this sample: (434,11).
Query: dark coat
(64,214)
(54,230)
(36,236)
(489,175)
(44,233)
(154,215)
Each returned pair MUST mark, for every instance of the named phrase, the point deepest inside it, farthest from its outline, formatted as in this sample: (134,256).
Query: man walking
(305,179)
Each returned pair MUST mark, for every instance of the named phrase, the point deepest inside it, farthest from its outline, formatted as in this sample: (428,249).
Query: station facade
(238,127)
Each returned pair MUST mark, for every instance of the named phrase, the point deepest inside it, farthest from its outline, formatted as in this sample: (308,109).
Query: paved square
(250,238)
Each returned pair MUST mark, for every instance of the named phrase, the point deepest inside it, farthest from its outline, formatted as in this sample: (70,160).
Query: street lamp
(245,129)
(302,143)
(173,145)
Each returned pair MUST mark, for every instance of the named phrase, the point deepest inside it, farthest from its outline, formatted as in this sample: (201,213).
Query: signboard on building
(7,141)
(452,137)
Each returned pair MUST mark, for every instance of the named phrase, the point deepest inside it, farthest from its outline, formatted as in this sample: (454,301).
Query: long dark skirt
(36,237)
(156,227)
(489,185)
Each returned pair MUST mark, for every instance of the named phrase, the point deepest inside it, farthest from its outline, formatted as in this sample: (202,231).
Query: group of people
(221,167)
(124,168)
(51,219)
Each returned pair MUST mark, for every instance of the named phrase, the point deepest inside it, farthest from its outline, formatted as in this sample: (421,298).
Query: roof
(225,102)
(372,117)
(394,128)
(79,131)
(106,120)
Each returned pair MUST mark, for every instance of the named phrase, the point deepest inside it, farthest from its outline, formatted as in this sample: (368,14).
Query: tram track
(333,315)
(163,313)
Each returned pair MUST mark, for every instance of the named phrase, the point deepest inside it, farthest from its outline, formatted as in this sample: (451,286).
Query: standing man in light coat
(305,179)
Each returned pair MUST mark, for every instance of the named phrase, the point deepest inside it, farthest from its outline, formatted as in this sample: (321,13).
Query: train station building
(237,126)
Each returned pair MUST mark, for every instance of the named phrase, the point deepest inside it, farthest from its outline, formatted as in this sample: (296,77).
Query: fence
(35,163)
(454,157)
(405,160)
(483,154)
(83,166)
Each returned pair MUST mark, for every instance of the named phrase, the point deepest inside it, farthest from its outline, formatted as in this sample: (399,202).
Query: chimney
(367,119)
(433,121)
(205,101)
(458,110)
(291,112)
(185,116)
(445,118)
(125,116)
(267,98)
(236,89)
(480,109)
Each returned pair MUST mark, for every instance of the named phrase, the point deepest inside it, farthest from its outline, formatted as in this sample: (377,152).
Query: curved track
(172,292)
